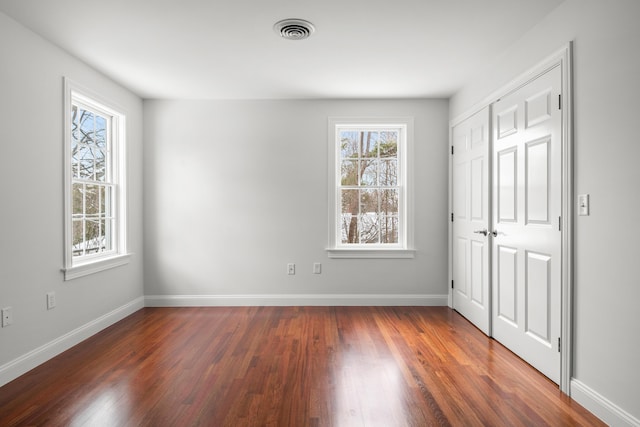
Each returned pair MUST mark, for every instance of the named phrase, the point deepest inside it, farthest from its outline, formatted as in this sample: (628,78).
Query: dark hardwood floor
(288,366)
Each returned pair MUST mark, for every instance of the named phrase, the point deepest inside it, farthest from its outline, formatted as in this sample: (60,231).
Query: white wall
(31,202)
(607,149)
(235,190)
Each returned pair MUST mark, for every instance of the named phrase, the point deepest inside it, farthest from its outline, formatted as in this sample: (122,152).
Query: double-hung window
(95,210)
(369,188)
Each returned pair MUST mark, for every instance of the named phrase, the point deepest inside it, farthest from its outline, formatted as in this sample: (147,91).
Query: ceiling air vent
(294,29)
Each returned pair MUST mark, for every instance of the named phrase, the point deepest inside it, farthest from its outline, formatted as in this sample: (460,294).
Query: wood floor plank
(288,366)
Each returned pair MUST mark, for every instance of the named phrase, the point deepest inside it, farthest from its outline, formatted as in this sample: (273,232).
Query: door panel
(478,189)
(527,207)
(471,250)
(538,284)
(460,265)
(507,185)
(537,191)
(538,108)
(507,292)
(478,251)
(460,191)
(507,122)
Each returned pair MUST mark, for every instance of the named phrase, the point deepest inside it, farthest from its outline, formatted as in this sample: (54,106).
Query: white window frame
(404,248)
(93,263)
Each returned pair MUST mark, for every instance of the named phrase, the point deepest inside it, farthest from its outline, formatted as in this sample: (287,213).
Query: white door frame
(563,58)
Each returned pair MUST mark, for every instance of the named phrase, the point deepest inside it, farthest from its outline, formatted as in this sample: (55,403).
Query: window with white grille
(95,236)
(369,182)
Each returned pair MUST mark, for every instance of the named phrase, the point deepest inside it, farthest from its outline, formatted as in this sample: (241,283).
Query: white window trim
(405,248)
(118,256)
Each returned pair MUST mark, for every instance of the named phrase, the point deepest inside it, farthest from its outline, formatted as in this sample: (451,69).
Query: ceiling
(227,49)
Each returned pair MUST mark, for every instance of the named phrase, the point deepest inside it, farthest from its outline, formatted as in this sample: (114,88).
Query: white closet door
(526,252)
(471,220)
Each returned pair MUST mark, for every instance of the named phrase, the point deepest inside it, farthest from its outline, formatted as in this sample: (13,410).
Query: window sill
(373,253)
(95,266)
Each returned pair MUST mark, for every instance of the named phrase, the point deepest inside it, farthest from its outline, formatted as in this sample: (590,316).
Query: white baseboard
(601,407)
(28,361)
(294,300)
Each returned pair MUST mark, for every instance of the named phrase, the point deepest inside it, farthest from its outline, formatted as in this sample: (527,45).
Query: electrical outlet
(7,316)
(317,268)
(51,300)
(291,269)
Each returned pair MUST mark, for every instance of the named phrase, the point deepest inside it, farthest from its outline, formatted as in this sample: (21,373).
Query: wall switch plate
(7,316)
(583,205)
(317,268)
(51,300)
(291,269)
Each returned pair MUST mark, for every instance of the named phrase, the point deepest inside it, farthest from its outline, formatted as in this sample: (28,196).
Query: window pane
(101,132)
(78,199)
(94,236)
(389,229)
(349,200)
(388,173)
(78,236)
(75,124)
(369,171)
(92,200)
(369,228)
(95,153)
(368,201)
(389,144)
(85,163)
(349,228)
(349,172)
(349,215)
(389,202)
(348,144)
(104,194)
(75,139)
(103,236)
(100,165)
(369,144)
(75,160)
(86,126)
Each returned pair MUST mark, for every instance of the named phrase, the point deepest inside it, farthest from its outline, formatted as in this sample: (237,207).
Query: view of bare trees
(91,194)
(369,186)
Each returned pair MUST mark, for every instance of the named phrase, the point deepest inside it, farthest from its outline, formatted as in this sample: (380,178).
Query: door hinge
(559,223)
(452,150)
(451,216)
(559,102)
(558,344)
(452,284)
